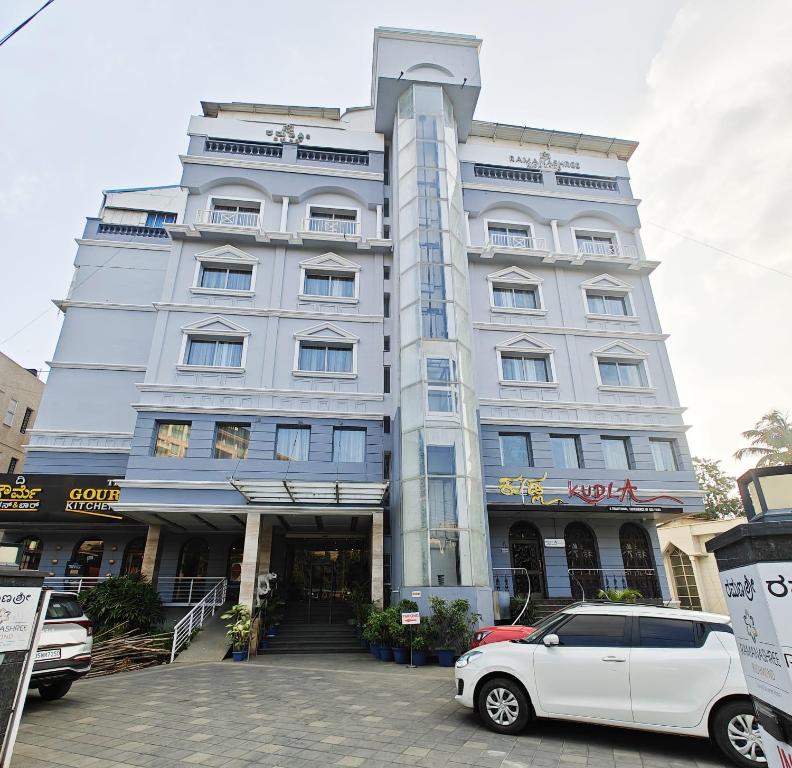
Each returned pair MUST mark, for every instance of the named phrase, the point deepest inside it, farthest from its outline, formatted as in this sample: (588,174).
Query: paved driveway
(295,712)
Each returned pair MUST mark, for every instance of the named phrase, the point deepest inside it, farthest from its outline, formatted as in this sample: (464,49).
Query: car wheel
(54,691)
(735,730)
(503,706)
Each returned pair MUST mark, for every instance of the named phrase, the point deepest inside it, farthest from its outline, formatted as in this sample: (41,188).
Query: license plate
(55,653)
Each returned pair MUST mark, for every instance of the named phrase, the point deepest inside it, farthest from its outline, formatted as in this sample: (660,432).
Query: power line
(24,23)
(721,250)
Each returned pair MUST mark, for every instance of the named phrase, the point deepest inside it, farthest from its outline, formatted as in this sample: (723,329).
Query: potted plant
(451,627)
(238,627)
(420,645)
(400,634)
(387,627)
(372,630)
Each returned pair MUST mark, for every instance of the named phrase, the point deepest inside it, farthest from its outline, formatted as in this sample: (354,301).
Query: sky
(97,94)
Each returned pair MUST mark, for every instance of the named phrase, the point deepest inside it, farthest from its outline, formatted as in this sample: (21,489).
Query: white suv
(634,666)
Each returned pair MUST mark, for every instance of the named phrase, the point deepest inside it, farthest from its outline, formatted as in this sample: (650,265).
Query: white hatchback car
(633,666)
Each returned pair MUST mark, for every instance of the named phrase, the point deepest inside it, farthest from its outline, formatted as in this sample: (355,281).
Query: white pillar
(379,222)
(556,239)
(639,244)
(284,222)
(148,568)
(250,560)
(467,228)
(377,560)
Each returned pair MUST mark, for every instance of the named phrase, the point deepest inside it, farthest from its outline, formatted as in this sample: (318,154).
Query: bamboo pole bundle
(128,651)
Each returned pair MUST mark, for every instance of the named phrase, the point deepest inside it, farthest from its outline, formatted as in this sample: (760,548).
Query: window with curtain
(331,285)
(215,353)
(621,373)
(292,443)
(603,304)
(226,278)
(349,445)
(172,439)
(323,358)
(508,297)
(232,441)
(617,452)
(159,218)
(525,368)
(664,455)
(515,450)
(566,451)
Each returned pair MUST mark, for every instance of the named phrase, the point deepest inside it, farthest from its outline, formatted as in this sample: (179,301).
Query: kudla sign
(58,497)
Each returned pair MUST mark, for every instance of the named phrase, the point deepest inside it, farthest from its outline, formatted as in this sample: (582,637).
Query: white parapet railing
(228,218)
(503,240)
(195,618)
(73,583)
(586,583)
(331,226)
(186,590)
(585,248)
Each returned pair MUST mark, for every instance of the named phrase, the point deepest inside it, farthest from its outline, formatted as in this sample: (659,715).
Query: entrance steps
(548,605)
(296,634)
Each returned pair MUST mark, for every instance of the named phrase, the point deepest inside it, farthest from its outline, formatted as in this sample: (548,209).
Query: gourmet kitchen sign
(58,496)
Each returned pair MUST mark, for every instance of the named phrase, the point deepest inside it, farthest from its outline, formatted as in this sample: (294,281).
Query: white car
(64,650)
(633,666)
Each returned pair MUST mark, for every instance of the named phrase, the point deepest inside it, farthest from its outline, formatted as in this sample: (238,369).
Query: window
(510,236)
(132,562)
(441,385)
(232,441)
(386,424)
(508,297)
(434,320)
(386,304)
(443,518)
(386,341)
(621,373)
(684,579)
(292,443)
(386,273)
(234,213)
(172,439)
(666,633)
(31,553)
(664,455)
(515,450)
(586,630)
(225,278)
(597,244)
(349,445)
(528,368)
(334,286)
(566,451)
(386,379)
(159,218)
(606,304)
(617,453)
(214,353)
(88,556)
(324,358)
(12,465)
(26,420)
(332,220)
(64,607)
(8,419)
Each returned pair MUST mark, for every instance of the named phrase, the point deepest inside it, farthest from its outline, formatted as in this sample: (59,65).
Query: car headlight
(466,658)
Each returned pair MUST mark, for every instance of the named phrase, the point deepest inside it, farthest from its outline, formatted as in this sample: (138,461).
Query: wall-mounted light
(54,562)
(58,547)
(111,562)
(767,492)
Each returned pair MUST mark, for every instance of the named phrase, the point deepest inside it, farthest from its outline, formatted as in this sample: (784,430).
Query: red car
(498,634)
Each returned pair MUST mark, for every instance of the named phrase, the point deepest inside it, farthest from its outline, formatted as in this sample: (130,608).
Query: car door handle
(613,658)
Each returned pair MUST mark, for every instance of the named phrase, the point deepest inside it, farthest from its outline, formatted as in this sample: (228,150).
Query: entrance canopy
(307,492)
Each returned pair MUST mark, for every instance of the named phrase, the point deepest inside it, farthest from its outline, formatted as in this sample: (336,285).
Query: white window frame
(451,386)
(591,230)
(311,336)
(11,412)
(330,269)
(527,351)
(309,207)
(212,199)
(626,293)
(506,223)
(526,280)
(674,444)
(622,357)
(217,258)
(198,334)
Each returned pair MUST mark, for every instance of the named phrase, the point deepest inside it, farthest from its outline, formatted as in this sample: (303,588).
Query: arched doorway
(527,551)
(684,579)
(132,562)
(234,568)
(582,553)
(86,558)
(639,565)
(193,565)
(31,553)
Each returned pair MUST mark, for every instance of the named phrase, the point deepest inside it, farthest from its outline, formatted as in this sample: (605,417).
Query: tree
(770,440)
(718,487)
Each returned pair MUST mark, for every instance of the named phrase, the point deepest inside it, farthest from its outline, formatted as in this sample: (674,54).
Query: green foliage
(516,605)
(238,626)
(628,595)
(125,603)
(451,625)
(719,489)
(272,610)
(421,640)
(375,627)
(770,440)
(407,606)
(361,606)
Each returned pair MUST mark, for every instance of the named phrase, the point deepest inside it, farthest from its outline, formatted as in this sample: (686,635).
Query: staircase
(546,606)
(297,635)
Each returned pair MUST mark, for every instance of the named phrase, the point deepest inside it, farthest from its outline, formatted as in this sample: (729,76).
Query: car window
(656,632)
(592,630)
(63,607)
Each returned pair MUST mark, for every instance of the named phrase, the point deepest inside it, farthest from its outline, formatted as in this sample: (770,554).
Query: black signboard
(56,498)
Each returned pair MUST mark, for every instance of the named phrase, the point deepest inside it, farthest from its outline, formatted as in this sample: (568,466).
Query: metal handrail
(242,219)
(196,617)
(587,248)
(73,583)
(517,241)
(524,572)
(331,226)
(609,574)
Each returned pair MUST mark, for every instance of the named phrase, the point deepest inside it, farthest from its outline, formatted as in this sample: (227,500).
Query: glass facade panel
(349,445)
(523,368)
(292,443)
(617,373)
(232,441)
(515,450)
(214,354)
(617,452)
(172,439)
(325,359)
(664,455)
(566,451)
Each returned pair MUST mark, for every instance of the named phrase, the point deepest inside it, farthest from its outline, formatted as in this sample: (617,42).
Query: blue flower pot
(263,644)
(420,658)
(239,655)
(445,658)
(374,648)
(385,654)
(401,655)
(272,631)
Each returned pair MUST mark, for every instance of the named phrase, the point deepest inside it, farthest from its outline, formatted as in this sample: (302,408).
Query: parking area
(301,711)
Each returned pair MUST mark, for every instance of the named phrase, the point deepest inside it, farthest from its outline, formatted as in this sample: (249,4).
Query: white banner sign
(411,617)
(17,617)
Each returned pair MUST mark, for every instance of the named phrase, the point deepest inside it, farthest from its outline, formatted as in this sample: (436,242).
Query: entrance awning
(310,492)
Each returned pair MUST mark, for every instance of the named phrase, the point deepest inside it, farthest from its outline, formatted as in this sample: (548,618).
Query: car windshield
(541,626)
(64,607)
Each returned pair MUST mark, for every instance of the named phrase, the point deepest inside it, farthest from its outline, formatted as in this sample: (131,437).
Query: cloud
(715,163)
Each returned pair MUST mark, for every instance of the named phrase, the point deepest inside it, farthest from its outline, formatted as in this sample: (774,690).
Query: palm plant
(627,595)
(770,440)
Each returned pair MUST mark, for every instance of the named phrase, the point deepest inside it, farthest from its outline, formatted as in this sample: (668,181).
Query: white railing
(72,583)
(585,248)
(194,620)
(587,582)
(332,226)
(228,219)
(517,241)
(186,590)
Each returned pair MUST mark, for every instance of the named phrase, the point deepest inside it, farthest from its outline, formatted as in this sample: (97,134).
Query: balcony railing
(332,156)
(586,583)
(228,219)
(586,182)
(131,230)
(507,174)
(499,239)
(586,248)
(332,226)
(243,148)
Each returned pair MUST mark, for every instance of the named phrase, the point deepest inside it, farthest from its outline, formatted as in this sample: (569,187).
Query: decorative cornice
(500,403)
(247,391)
(570,331)
(74,449)
(622,426)
(80,433)
(282,167)
(66,303)
(122,244)
(287,412)
(96,366)
(484,187)
(336,317)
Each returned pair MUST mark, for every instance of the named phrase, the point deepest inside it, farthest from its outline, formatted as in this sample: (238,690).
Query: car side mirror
(551,641)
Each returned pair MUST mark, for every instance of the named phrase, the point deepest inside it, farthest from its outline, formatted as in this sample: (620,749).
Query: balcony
(585,248)
(241,219)
(131,230)
(506,174)
(345,227)
(587,182)
(501,240)
(252,148)
(332,156)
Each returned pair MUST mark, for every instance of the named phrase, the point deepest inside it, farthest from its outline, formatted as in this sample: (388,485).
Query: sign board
(411,617)
(555,543)
(415,593)
(58,497)
(18,607)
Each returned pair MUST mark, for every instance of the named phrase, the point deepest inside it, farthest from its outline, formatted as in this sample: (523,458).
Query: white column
(467,228)
(556,239)
(639,244)
(379,222)
(284,222)
(250,560)
(377,560)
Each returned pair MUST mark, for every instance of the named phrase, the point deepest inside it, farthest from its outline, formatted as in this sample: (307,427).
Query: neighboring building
(393,348)
(20,395)
(691,571)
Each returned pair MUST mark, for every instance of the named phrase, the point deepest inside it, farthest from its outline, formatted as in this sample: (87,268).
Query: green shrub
(125,603)
(628,595)
(238,626)
(374,629)
(451,625)
(516,605)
